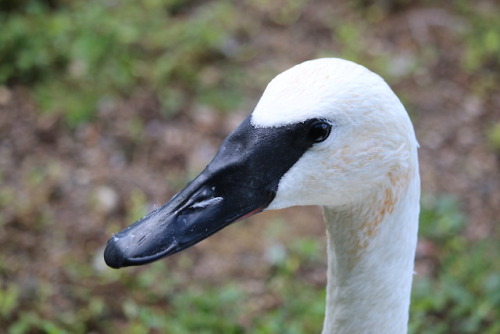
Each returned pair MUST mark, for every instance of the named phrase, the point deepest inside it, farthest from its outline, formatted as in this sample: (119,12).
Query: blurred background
(109,107)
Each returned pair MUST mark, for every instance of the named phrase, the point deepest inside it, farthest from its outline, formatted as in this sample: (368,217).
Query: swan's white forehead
(318,88)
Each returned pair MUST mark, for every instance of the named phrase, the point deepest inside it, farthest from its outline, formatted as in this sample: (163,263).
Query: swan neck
(370,266)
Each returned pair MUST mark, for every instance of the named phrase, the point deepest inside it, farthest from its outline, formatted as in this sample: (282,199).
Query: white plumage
(365,175)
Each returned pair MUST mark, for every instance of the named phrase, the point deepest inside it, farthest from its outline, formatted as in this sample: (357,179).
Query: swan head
(326,132)
(372,141)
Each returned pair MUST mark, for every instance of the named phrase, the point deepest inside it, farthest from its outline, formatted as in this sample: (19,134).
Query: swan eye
(319,131)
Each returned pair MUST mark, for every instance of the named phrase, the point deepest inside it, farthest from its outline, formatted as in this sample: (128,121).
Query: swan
(326,132)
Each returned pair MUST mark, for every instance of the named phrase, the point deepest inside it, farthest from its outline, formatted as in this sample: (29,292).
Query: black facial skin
(242,180)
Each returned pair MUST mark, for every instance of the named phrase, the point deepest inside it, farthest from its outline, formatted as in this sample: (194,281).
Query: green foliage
(345,34)
(481,54)
(138,207)
(302,305)
(206,310)
(8,300)
(493,135)
(464,297)
(83,52)
(483,40)
(440,218)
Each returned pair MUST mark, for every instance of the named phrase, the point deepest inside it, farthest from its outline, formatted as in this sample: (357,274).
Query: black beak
(240,181)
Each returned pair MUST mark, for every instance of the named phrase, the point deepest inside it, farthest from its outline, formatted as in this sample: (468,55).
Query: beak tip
(113,255)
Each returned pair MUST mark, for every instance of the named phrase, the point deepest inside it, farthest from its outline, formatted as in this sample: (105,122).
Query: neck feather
(371,252)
